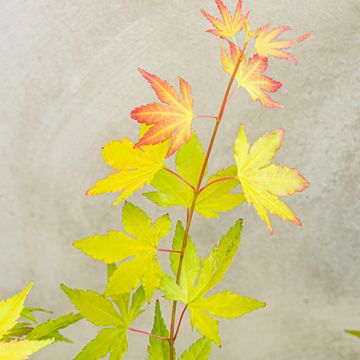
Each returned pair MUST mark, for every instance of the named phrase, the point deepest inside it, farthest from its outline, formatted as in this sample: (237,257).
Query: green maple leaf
(141,248)
(199,350)
(10,312)
(100,311)
(195,283)
(50,329)
(27,313)
(158,349)
(171,191)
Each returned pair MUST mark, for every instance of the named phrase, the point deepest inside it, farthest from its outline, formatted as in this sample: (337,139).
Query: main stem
(196,194)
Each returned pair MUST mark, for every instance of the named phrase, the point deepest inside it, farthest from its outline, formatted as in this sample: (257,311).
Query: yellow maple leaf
(137,252)
(229,26)
(10,311)
(266,45)
(250,75)
(263,182)
(135,167)
(21,350)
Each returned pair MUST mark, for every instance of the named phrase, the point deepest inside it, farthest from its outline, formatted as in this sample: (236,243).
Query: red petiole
(205,117)
(216,181)
(170,251)
(148,334)
(179,177)
(179,323)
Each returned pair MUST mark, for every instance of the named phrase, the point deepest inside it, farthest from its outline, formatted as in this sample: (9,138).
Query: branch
(196,190)
(179,177)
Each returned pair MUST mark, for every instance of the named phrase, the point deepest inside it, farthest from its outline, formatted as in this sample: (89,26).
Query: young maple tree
(134,272)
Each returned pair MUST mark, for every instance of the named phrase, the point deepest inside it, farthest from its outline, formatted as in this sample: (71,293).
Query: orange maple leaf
(230,24)
(250,76)
(170,120)
(266,46)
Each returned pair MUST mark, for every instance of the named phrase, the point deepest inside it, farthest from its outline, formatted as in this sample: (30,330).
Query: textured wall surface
(68,81)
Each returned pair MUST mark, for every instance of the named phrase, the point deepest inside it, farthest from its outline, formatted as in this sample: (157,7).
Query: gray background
(68,82)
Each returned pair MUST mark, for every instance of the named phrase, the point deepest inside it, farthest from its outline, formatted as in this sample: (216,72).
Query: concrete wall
(68,82)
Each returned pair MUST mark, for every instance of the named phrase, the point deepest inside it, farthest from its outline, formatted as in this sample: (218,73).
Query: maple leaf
(170,120)
(266,46)
(173,192)
(263,182)
(50,328)
(209,274)
(10,311)
(27,313)
(159,349)
(22,349)
(230,25)
(117,246)
(250,75)
(199,350)
(100,311)
(135,167)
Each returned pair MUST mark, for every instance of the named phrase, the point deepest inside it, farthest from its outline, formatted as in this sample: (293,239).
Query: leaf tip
(282,134)
(298,222)
(271,230)
(141,71)
(305,183)
(65,288)
(304,37)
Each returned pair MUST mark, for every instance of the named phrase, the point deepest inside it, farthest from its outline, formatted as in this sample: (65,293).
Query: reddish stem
(218,180)
(170,251)
(179,177)
(148,334)
(205,117)
(179,323)
(197,189)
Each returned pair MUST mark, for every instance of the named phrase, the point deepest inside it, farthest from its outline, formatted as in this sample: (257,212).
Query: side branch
(216,181)
(170,251)
(179,177)
(205,117)
(180,321)
(148,334)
